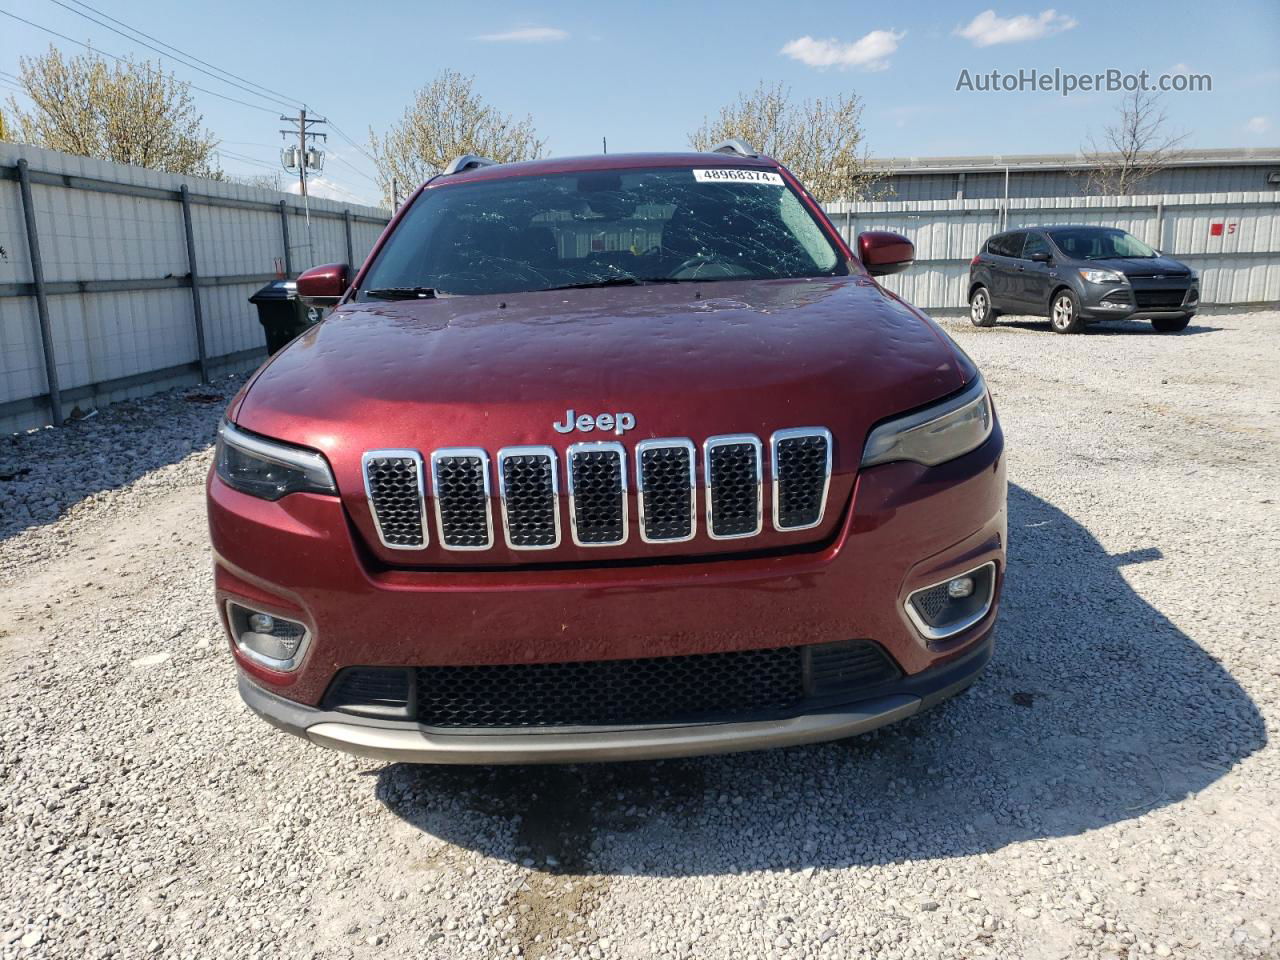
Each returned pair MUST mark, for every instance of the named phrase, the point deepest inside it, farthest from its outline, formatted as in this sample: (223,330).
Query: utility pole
(604,144)
(303,156)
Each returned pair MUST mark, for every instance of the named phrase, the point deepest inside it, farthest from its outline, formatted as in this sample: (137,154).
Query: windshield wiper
(402,293)
(605,282)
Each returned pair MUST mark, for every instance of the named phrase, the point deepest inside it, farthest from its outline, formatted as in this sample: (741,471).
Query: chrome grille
(801,474)
(460,482)
(529,490)
(665,482)
(393,487)
(598,493)
(734,501)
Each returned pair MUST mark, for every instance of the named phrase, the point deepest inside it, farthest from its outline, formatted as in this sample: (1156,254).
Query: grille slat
(598,493)
(460,483)
(665,485)
(529,489)
(734,506)
(1159,298)
(393,486)
(801,475)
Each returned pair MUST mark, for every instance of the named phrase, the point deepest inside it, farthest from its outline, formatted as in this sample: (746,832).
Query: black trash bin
(282,315)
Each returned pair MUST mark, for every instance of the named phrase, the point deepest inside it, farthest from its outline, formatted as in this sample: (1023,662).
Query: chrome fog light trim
(282,649)
(984,576)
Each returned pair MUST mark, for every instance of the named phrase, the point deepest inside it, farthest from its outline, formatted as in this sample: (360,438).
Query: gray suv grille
(666,478)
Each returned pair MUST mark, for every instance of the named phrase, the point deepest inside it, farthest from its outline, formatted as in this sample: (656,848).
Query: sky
(645,75)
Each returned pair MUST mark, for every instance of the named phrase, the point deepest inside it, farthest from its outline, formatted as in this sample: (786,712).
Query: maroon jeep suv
(610,457)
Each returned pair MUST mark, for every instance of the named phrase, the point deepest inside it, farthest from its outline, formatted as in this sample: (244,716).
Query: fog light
(949,607)
(265,623)
(272,641)
(958,588)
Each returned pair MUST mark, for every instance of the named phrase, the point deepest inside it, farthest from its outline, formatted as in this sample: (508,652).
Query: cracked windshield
(601,229)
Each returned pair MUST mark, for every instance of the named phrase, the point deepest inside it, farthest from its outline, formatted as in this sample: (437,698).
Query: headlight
(1102,276)
(270,470)
(935,435)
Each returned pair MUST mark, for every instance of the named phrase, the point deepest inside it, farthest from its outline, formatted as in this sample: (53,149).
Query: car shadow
(1113,328)
(1096,709)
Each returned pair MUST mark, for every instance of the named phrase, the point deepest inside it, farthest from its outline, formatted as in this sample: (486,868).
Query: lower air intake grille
(801,468)
(1159,298)
(597,486)
(372,692)
(461,482)
(393,483)
(733,487)
(611,692)
(666,489)
(528,486)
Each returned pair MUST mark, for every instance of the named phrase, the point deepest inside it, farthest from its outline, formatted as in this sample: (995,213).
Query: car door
(1004,268)
(1035,275)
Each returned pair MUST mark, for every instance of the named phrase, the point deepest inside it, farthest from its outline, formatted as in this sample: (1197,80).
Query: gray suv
(1077,275)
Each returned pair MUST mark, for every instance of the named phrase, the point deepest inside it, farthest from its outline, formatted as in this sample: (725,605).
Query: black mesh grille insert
(396,500)
(598,496)
(734,470)
(611,692)
(462,500)
(667,494)
(1159,298)
(530,500)
(372,691)
(801,476)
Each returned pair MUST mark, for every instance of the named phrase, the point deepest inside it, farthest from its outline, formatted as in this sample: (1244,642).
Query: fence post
(42,301)
(195,284)
(1159,244)
(346,216)
(284,232)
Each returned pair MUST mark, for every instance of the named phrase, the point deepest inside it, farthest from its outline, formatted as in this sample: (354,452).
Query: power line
(168,56)
(91,49)
(340,132)
(353,168)
(291,101)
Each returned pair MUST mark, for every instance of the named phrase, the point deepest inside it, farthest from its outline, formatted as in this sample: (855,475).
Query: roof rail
(740,147)
(468,161)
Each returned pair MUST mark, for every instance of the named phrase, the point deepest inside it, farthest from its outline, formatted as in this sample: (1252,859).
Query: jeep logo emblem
(619,423)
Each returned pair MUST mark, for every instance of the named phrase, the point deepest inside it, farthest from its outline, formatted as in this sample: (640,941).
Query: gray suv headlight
(267,469)
(936,434)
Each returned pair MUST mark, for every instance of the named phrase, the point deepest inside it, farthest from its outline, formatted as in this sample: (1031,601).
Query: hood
(686,360)
(1142,267)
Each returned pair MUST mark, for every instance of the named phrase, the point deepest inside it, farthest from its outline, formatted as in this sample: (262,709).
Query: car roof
(606,161)
(1058,226)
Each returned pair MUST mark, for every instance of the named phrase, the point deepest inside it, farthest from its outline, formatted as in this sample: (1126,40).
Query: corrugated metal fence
(143,278)
(1231,239)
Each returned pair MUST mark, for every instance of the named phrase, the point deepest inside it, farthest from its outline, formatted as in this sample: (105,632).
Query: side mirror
(882,252)
(323,286)
(1041,257)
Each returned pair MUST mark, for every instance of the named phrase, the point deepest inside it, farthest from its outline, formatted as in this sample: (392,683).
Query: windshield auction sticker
(738,175)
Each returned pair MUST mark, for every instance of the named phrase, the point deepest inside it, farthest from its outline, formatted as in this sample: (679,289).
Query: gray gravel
(1108,789)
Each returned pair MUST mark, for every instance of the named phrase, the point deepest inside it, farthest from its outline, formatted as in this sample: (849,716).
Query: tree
(820,141)
(447,119)
(127,112)
(1133,149)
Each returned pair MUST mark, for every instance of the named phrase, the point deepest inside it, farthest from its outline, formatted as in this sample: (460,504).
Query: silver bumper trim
(416,745)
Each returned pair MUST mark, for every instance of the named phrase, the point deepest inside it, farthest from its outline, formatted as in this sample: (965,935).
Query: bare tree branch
(1133,149)
(129,112)
(447,119)
(820,140)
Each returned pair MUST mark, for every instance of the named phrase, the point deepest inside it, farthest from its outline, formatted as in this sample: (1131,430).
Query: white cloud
(987,29)
(526,35)
(1258,125)
(870,52)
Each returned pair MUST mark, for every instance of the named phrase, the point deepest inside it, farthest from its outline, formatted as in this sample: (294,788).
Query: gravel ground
(1108,789)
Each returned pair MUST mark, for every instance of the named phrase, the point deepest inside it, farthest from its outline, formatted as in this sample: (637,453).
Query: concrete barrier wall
(121,317)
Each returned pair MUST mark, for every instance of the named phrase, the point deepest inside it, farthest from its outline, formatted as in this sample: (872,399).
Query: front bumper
(409,742)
